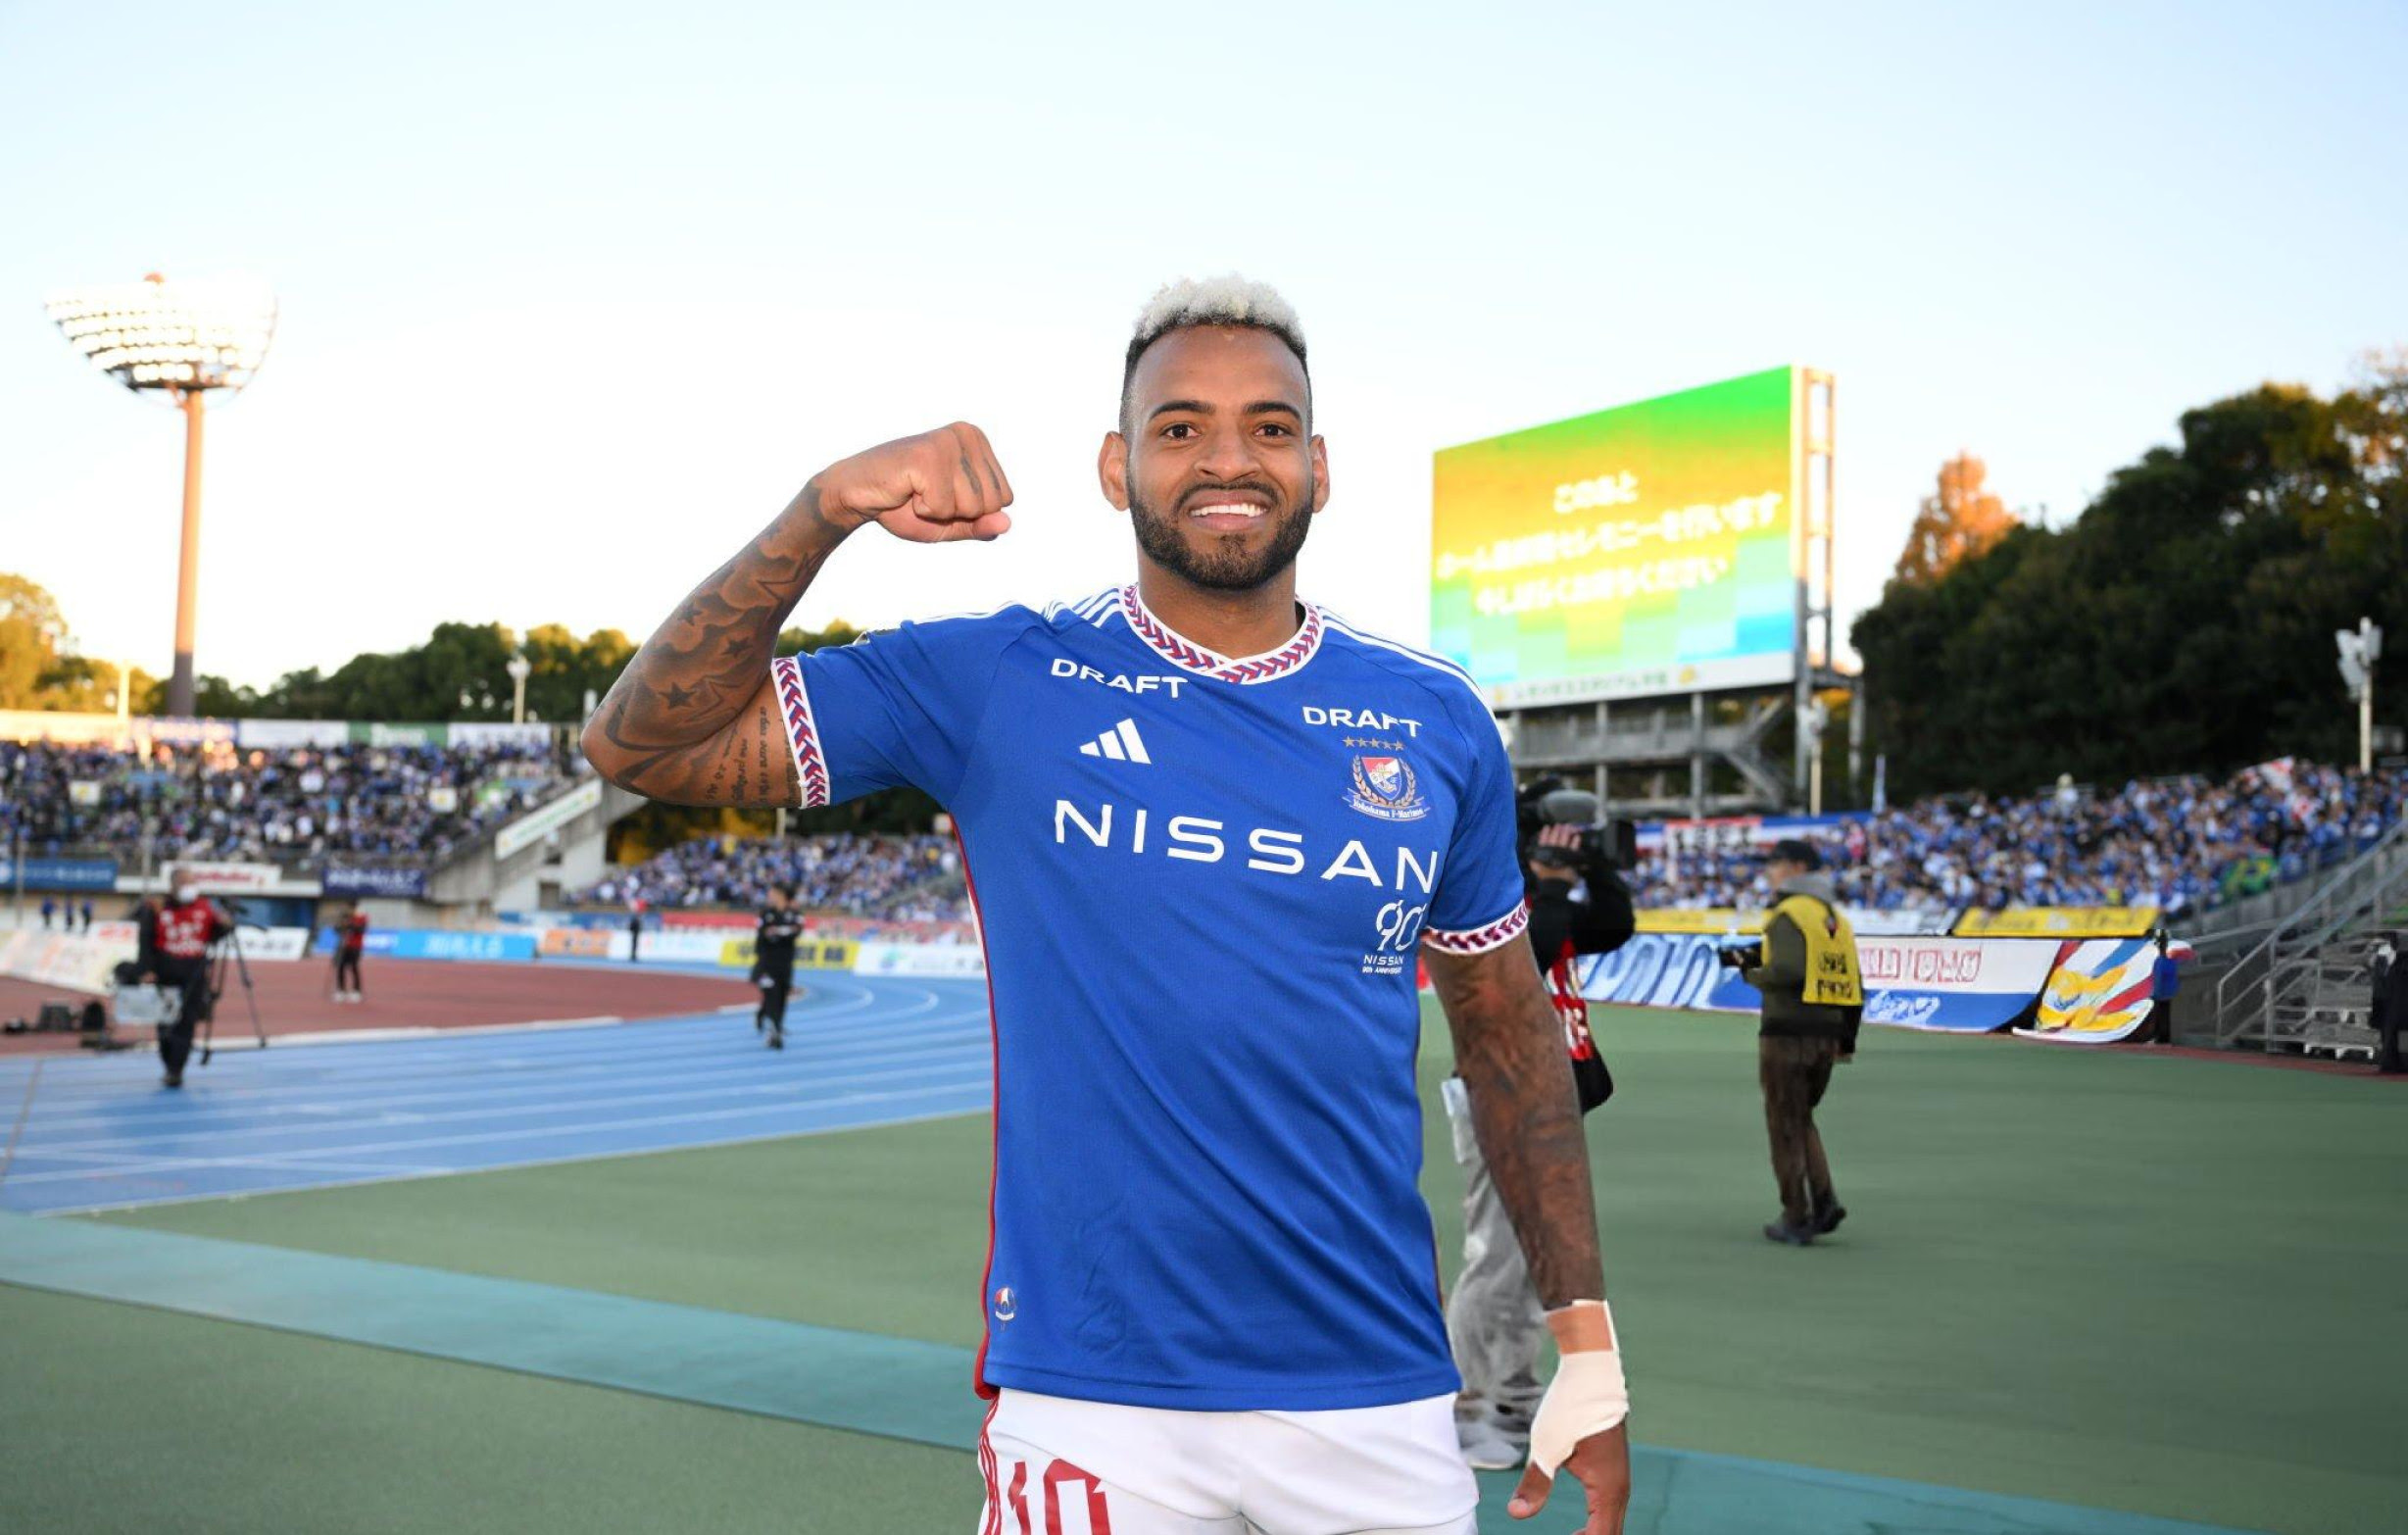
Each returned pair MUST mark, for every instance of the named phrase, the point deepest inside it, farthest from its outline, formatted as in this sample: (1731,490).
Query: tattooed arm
(1509,1050)
(693,719)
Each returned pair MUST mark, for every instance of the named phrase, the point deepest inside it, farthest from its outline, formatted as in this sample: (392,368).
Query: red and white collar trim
(1192,657)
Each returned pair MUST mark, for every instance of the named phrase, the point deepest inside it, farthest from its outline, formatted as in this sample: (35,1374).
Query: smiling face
(1216,463)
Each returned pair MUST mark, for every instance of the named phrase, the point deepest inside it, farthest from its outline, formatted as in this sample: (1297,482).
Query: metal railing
(2264,998)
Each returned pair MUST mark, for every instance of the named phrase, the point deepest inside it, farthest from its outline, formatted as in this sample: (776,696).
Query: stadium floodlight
(518,667)
(2360,648)
(1815,722)
(185,340)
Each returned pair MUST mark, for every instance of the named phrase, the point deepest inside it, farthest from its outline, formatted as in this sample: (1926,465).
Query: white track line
(570,1159)
(646,1121)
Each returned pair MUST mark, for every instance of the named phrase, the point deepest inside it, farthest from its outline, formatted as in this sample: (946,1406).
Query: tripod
(231,944)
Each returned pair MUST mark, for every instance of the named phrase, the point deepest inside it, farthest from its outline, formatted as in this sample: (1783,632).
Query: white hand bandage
(1588,1396)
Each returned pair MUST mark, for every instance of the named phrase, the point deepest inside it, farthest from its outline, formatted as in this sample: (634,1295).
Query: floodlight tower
(2360,648)
(185,340)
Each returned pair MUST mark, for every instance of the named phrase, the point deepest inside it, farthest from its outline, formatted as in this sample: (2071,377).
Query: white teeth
(1227,509)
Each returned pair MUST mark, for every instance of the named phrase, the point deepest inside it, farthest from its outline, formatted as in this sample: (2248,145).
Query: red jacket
(184,933)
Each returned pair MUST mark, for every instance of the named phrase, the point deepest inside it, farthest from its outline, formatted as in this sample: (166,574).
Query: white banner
(923,959)
(503,733)
(534,827)
(275,943)
(272,734)
(229,878)
(77,964)
(1962,985)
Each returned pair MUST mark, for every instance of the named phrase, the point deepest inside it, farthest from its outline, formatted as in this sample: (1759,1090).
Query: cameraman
(1813,985)
(173,940)
(1495,1323)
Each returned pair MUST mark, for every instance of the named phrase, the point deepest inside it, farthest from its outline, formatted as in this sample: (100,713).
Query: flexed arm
(693,719)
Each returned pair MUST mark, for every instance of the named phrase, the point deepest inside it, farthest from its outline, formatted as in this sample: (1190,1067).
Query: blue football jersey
(1202,882)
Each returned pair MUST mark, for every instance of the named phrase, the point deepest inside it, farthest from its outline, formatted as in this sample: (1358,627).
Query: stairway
(2305,985)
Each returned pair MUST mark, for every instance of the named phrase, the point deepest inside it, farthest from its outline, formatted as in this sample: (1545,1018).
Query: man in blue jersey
(1209,829)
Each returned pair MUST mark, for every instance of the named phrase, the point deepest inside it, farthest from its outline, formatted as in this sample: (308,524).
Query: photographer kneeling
(174,939)
(1806,966)
(1495,1323)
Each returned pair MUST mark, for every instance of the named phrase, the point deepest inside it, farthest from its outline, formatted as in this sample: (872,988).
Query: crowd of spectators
(292,806)
(909,878)
(2179,844)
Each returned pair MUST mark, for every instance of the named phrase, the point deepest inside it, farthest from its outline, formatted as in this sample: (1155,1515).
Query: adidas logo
(1121,743)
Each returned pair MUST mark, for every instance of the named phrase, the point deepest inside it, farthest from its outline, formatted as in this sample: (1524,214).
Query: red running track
(294,998)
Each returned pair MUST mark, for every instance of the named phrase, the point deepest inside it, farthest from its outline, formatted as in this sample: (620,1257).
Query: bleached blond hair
(1225,300)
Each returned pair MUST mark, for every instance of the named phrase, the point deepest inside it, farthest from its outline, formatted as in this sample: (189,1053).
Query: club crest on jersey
(1385,788)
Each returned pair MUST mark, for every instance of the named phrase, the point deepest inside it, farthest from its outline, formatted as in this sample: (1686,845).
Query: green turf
(2158,1285)
(117,1418)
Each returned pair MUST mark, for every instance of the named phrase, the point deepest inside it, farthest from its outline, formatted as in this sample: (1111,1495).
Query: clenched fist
(931,489)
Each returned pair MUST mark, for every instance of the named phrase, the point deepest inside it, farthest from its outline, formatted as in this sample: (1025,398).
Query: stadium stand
(905,878)
(290,807)
(2183,845)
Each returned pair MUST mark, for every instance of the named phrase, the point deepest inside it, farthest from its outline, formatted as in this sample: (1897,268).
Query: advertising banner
(398,735)
(273,943)
(920,959)
(1733,834)
(2060,921)
(229,878)
(185,732)
(360,880)
(1956,985)
(542,821)
(287,734)
(1732,919)
(1666,971)
(1645,549)
(61,873)
(578,943)
(426,943)
(810,954)
(2102,991)
(499,733)
(42,725)
(1960,985)
(75,964)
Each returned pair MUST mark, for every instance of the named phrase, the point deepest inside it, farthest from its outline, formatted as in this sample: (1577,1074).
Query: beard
(1222,563)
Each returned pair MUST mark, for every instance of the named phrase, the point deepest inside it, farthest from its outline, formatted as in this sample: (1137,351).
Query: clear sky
(575,296)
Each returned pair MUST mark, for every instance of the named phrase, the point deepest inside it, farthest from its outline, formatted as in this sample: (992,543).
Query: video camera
(1741,955)
(1546,802)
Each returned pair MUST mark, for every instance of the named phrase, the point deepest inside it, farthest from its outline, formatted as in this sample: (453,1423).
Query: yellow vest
(1833,978)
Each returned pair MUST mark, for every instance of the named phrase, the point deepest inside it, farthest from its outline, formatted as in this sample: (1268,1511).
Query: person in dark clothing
(1813,989)
(2165,979)
(2389,1009)
(773,965)
(87,919)
(50,909)
(350,942)
(1495,1323)
(172,940)
(635,930)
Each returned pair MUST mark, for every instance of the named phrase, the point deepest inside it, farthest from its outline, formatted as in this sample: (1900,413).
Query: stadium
(532,1077)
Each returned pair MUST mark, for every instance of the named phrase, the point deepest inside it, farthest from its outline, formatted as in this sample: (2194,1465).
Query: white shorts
(1059,1466)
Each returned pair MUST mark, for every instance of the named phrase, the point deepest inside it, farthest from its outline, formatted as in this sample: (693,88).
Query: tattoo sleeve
(693,719)
(1510,1052)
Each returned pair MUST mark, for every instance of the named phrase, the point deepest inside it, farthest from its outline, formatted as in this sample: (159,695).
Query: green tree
(39,667)
(2182,623)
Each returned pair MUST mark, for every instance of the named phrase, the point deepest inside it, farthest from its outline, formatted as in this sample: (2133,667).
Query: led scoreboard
(1646,549)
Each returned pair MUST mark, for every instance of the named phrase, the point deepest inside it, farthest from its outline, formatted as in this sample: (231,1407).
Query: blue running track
(100,1132)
